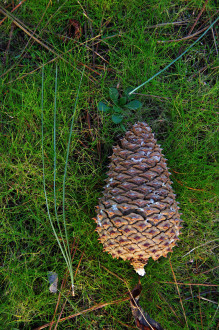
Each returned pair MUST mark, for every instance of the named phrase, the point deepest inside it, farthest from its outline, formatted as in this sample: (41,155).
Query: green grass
(181,106)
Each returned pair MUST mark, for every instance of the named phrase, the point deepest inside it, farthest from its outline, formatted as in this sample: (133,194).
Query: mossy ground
(181,106)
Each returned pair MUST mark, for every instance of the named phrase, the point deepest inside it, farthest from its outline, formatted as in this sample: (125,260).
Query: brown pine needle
(182,184)
(207,271)
(63,306)
(16,7)
(171,308)
(185,38)
(197,19)
(15,21)
(200,311)
(180,283)
(124,281)
(63,284)
(177,172)
(214,240)
(98,306)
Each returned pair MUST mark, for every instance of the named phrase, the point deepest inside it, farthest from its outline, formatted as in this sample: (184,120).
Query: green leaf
(123,128)
(134,105)
(127,91)
(117,109)
(117,119)
(122,100)
(114,94)
(103,106)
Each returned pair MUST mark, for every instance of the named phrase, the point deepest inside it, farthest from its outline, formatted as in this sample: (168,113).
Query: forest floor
(116,44)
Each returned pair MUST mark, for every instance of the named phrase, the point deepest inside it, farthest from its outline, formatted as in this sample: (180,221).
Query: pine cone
(137,217)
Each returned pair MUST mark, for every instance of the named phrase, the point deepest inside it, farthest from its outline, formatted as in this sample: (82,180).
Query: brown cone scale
(137,217)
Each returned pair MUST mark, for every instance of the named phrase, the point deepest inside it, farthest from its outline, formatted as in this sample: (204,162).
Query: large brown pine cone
(137,217)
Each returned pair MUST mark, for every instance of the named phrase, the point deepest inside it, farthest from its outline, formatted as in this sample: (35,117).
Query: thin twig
(198,72)
(56,58)
(40,67)
(196,21)
(179,294)
(31,41)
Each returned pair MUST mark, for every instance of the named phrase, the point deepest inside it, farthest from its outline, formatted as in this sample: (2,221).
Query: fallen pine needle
(180,283)
(98,306)
(200,246)
(196,189)
(184,313)
(18,5)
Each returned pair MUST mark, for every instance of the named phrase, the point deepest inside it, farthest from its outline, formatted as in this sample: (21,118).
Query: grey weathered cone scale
(137,217)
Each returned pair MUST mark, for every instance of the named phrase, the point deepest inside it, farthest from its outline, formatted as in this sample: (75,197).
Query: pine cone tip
(140,271)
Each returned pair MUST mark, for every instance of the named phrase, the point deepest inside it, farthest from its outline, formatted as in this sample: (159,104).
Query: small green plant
(120,105)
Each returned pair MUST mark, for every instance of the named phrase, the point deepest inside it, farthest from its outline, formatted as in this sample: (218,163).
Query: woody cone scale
(138,216)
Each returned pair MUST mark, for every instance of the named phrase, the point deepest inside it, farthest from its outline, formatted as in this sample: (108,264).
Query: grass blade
(166,67)
(44,181)
(68,256)
(64,178)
